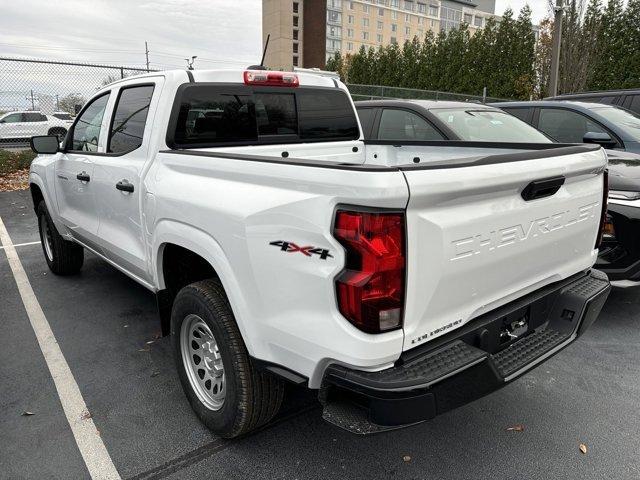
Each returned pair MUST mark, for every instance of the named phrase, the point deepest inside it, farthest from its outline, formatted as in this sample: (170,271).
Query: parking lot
(106,327)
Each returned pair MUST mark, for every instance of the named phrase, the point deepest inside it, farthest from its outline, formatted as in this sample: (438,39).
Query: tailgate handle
(542,188)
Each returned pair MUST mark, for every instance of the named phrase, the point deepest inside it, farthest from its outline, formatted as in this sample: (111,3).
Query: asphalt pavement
(108,331)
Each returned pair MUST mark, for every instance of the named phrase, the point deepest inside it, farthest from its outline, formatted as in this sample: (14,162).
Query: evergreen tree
(630,68)
(607,66)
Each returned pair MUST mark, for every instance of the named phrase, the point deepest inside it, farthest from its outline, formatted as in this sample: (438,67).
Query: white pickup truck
(400,280)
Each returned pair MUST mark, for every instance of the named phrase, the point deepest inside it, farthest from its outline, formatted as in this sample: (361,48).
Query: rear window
(215,115)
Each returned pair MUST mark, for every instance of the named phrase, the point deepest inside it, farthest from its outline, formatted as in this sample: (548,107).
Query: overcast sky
(222,33)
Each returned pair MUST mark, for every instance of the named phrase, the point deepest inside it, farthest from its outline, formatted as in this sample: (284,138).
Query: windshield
(488,126)
(627,121)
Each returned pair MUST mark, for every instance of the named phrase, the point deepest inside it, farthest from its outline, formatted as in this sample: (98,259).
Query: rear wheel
(63,257)
(229,395)
(59,131)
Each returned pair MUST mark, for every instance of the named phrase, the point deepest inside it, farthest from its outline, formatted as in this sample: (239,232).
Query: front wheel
(63,257)
(229,395)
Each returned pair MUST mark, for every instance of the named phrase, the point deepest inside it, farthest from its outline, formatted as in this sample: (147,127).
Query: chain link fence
(378,92)
(39,97)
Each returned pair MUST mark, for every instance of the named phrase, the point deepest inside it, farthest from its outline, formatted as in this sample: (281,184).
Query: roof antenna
(264,53)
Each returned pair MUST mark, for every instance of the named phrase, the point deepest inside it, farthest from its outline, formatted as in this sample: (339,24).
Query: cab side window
(13,118)
(33,117)
(402,125)
(86,132)
(129,118)
(566,126)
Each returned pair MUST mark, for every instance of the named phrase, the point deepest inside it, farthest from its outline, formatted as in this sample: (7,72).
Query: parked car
(577,122)
(23,125)
(617,130)
(629,99)
(390,277)
(434,120)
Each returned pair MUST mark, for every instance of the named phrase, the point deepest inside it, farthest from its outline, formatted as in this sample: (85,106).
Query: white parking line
(21,245)
(95,454)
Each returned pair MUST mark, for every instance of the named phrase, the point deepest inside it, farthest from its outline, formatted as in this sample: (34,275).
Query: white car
(398,279)
(26,124)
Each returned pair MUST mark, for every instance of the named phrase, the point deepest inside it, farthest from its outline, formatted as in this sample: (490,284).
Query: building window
(379,38)
(295,34)
(394,40)
(349,46)
(350,19)
(295,20)
(407,31)
(478,21)
(334,17)
(333,45)
(295,60)
(422,8)
(334,31)
(394,27)
(433,24)
(380,25)
(408,5)
(350,32)
(420,34)
(407,17)
(295,48)
(381,12)
(351,7)
(337,4)
(394,15)
(395,3)
(433,10)
(468,18)
(365,8)
(365,35)
(295,7)
(365,22)
(420,20)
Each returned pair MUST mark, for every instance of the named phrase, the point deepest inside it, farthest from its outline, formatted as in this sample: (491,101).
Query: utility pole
(57,102)
(33,103)
(146,52)
(555,52)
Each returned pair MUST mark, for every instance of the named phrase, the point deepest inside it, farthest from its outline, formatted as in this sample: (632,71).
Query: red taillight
(370,289)
(270,79)
(603,214)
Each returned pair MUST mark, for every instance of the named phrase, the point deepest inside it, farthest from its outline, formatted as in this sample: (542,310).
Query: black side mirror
(603,139)
(45,144)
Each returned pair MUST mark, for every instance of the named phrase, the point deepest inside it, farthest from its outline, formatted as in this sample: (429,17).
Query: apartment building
(305,33)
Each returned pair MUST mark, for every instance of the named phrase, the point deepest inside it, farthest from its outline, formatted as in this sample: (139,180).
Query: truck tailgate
(474,243)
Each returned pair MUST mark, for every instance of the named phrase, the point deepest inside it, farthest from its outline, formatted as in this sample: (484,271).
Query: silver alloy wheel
(45,233)
(202,362)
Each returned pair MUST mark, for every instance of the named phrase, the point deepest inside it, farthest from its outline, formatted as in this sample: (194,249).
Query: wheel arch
(171,237)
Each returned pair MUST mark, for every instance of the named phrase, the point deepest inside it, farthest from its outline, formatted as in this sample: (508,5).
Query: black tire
(66,257)
(59,131)
(252,397)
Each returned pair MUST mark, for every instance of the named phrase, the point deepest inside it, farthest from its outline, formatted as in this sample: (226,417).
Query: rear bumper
(468,363)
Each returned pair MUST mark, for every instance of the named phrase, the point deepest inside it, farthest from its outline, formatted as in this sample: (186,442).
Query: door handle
(124,186)
(83,176)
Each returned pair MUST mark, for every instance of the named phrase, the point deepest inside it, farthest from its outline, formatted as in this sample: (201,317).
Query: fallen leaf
(516,428)
(583,448)
(155,374)
(406,458)
(27,413)
(143,350)
(149,342)
(85,415)
(126,326)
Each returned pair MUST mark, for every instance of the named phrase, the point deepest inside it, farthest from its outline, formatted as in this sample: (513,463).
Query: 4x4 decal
(308,250)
